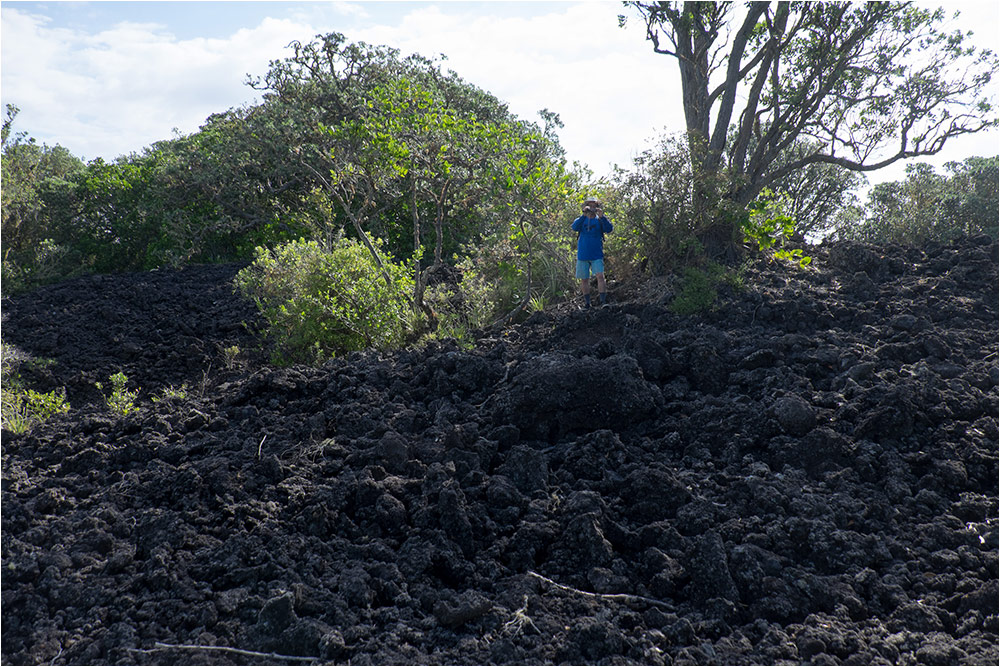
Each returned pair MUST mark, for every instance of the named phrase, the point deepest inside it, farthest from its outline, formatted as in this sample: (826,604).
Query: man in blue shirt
(591,227)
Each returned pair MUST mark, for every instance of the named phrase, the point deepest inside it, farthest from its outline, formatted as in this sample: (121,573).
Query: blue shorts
(585,267)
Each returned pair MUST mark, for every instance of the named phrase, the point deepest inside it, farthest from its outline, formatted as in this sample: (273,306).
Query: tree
(238,179)
(32,175)
(407,105)
(348,138)
(407,148)
(927,205)
(402,142)
(867,84)
(974,202)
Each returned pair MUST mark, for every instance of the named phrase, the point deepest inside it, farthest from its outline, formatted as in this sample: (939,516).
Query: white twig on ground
(617,597)
(160,646)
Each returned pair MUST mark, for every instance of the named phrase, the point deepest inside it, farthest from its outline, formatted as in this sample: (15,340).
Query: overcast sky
(105,79)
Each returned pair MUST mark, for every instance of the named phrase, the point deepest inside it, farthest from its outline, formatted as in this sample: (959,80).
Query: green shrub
(697,292)
(464,308)
(494,277)
(46,262)
(928,206)
(22,408)
(121,400)
(172,393)
(230,356)
(320,302)
(768,225)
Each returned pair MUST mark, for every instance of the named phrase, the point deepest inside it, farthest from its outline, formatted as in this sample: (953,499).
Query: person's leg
(602,286)
(583,273)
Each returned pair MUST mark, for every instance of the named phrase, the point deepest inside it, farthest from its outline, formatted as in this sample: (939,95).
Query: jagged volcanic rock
(806,474)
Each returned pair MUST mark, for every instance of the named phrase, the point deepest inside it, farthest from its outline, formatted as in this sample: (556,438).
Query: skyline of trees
(355,139)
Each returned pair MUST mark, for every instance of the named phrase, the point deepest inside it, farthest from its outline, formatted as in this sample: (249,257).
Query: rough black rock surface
(806,474)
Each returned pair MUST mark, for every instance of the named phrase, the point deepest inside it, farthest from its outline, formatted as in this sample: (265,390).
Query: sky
(105,79)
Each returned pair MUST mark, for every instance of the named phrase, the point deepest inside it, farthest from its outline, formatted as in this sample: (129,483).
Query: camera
(588,209)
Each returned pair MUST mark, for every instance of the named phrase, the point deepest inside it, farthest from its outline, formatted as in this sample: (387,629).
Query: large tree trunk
(696,33)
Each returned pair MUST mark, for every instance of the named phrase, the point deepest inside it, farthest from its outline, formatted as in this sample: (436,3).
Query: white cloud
(120,89)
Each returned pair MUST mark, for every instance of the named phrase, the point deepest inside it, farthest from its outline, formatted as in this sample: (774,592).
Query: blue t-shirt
(592,231)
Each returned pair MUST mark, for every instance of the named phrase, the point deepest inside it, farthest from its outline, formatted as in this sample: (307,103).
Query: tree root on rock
(617,597)
(160,646)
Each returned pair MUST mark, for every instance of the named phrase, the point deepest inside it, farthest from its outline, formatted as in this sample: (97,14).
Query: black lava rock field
(805,474)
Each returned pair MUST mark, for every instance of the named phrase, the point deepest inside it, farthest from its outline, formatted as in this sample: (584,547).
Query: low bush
(22,407)
(463,307)
(698,290)
(121,400)
(318,302)
(768,225)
